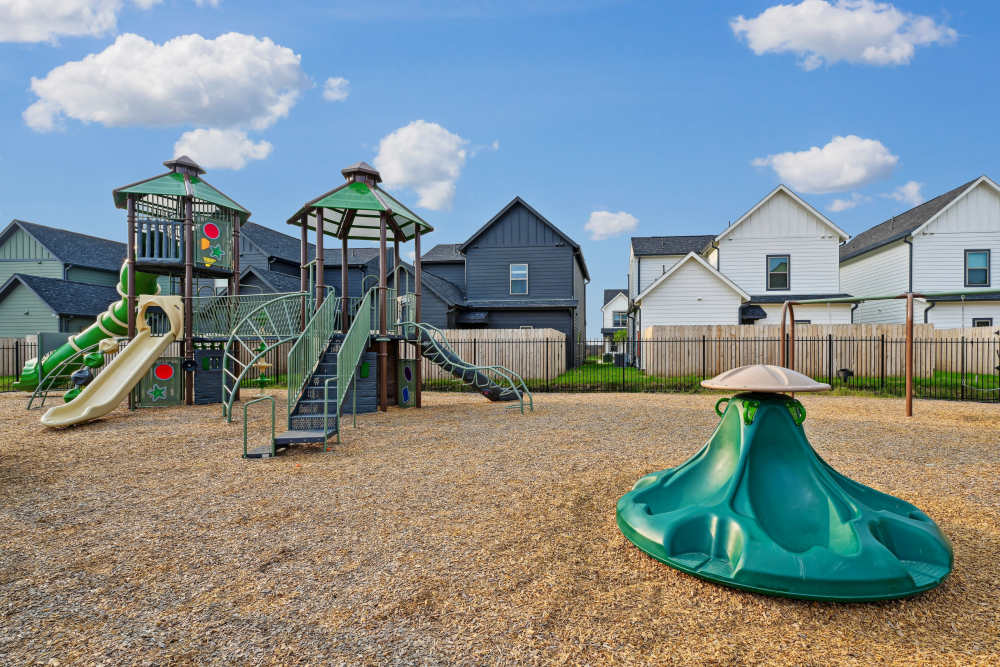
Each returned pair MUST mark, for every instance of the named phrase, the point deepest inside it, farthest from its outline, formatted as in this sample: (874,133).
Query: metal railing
(266,326)
(247,405)
(309,348)
(159,240)
(352,349)
(220,315)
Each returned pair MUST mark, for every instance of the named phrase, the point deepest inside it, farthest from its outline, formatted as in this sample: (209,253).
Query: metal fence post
(17,358)
(882,366)
(829,358)
(547,377)
(963,368)
(704,358)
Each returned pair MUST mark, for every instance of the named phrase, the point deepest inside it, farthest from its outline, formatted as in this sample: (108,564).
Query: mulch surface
(461,533)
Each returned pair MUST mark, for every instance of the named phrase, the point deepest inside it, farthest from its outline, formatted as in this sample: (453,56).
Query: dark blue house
(518,270)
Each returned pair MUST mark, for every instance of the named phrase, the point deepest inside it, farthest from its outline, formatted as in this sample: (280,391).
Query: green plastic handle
(798,412)
(720,402)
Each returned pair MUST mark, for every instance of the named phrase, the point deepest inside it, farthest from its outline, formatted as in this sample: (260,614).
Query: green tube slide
(113,322)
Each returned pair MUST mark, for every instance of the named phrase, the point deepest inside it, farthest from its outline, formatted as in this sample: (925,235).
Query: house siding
(13,321)
(652,267)
(41,267)
(579,313)
(80,274)
(22,245)
(834,313)
(550,273)
(782,226)
(691,295)
(433,310)
(949,315)
(453,273)
(880,272)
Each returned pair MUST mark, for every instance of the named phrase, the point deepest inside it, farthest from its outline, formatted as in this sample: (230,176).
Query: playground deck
(456,534)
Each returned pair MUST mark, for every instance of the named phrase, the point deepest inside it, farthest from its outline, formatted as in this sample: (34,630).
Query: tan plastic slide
(114,383)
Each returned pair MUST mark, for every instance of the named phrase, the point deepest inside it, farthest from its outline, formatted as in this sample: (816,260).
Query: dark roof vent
(361,172)
(184,165)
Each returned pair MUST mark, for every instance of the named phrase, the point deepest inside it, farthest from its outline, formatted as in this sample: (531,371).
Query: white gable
(693,262)
(782,213)
(975,210)
(691,292)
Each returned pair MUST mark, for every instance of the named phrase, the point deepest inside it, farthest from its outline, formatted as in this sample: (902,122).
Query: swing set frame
(787,348)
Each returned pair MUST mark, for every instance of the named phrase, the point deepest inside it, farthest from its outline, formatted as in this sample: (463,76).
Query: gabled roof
(841,234)
(73,248)
(610,294)
(278,282)
(693,257)
(517,201)
(670,245)
(903,225)
(444,252)
(284,247)
(65,297)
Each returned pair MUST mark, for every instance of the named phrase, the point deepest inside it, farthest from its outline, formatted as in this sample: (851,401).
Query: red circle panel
(163,371)
(211,230)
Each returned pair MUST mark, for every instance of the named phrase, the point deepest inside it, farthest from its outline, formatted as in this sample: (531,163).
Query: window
(777,272)
(619,318)
(526,326)
(803,321)
(518,278)
(977,268)
(982,321)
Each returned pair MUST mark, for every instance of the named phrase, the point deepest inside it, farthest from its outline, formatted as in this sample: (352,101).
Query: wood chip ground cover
(460,533)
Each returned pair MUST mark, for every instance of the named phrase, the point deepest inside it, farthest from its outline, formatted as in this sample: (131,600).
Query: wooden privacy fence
(821,350)
(971,350)
(534,354)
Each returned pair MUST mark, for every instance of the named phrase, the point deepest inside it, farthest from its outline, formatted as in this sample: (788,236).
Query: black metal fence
(13,353)
(950,369)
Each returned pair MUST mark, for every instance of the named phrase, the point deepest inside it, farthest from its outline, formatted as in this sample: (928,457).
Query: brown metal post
(130,297)
(234,288)
(909,354)
(303,269)
(188,293)
(417,276)
(343,284)
(395,264)
(383,346)
(320,285)
(786,353)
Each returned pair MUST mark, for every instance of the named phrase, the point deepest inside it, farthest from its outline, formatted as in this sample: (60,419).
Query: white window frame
(511,279)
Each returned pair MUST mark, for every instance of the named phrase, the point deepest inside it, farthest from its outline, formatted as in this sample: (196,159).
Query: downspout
(908,242)
(928,309)
(853,308)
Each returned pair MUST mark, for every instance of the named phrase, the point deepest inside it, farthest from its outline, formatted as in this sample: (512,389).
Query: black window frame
(989,276)
(788,273)
(983,321)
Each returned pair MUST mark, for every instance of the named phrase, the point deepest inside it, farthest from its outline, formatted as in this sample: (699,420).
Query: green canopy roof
(354,209)
(174,185)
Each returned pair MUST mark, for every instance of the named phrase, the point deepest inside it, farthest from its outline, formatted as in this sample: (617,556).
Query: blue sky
(654,109)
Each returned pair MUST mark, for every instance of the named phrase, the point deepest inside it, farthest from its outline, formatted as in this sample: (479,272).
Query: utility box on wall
(163,385)
(407,382)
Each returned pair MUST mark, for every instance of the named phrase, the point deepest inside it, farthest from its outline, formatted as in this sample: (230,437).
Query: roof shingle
(77,249)
(66,297)
(670,245)
(444,252)
(612,293)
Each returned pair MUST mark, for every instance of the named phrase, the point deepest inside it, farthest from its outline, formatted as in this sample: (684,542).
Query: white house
(614,314)
(691,291)
(949,243)
(780,250)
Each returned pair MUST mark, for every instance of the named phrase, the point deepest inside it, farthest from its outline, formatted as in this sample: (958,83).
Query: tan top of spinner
(764,378)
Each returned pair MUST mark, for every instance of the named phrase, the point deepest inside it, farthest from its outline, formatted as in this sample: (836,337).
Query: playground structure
(757,508)
(179,225)
(787,348)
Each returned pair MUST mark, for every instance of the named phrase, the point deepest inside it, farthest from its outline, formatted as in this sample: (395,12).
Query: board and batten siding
(782,226)
(691,295)
(880,272)
(23,313)
(550,272)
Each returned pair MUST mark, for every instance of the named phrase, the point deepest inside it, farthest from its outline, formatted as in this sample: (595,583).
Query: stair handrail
(307,351)
(352,348)
(439,340)
(230,380)
(44,385)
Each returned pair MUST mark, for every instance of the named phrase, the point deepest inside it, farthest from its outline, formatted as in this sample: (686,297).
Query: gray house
(518,270)
(33,304)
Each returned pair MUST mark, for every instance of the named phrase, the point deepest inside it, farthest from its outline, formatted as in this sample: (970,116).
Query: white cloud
(856,199)
(425,157)
(336,89)
(844,163)
(221,149)
(47,20)
(908,193)
(854,31)
(605,224)
(234,80)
